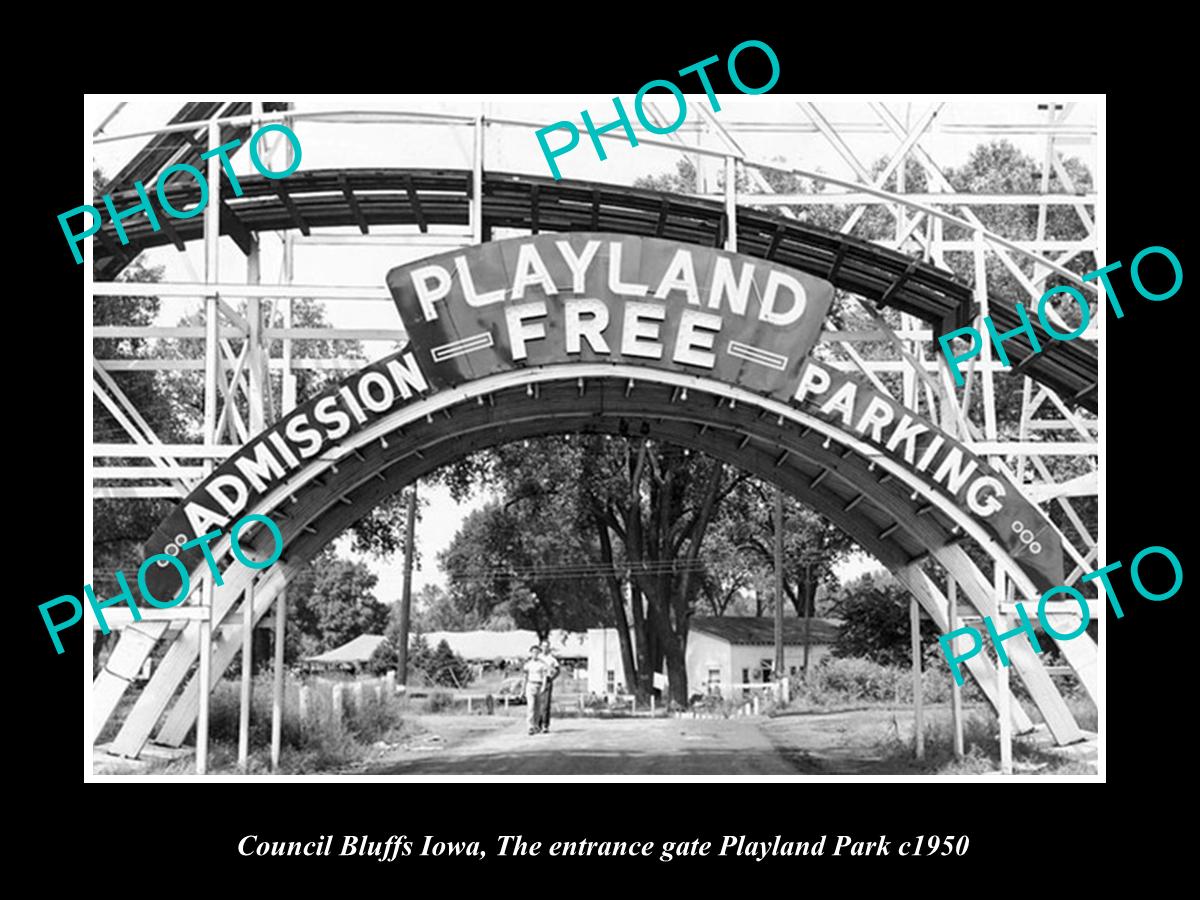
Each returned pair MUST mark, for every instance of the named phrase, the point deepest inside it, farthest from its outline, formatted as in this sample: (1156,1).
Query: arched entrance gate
(609,333)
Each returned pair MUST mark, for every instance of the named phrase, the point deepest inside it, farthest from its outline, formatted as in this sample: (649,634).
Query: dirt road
(598,747)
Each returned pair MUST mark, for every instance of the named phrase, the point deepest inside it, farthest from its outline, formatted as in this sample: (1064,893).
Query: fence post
(390,680)
(358,696)
(468,704)
(303,705)
(756,704)
(335,695)
(652,704)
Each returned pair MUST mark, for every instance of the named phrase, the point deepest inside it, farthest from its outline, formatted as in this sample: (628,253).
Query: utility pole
(779,669)
(808,611)
(406,595)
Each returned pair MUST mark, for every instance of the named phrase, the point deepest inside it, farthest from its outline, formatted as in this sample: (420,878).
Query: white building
(723,653)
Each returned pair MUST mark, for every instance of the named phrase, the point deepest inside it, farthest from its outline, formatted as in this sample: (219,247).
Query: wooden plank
(133,493)
(119,617)
(123,665)
(1028,664)
(107,472)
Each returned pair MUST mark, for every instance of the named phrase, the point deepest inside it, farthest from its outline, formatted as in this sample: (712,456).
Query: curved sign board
(854,405)
(611,298)
(585,297)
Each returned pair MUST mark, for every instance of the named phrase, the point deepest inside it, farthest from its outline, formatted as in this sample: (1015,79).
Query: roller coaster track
(366,198)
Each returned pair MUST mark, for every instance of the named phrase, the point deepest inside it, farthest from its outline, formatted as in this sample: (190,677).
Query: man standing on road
(551,673)
(535,679)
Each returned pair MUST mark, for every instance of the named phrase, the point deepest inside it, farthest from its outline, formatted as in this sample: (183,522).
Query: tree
(876,621)
(331,601)
(447,668)
(812,545)
(642,507)
(513,561)
(440,666)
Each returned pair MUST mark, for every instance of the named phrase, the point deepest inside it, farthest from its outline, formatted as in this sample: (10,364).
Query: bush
(848,681)
(373,719)
(439,701)
(439,665)
(876,625)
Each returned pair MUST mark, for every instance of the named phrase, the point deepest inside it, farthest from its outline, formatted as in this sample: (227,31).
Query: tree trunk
(677,685)
(618,602)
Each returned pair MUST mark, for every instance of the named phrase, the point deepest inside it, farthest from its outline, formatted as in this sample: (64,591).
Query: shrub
(876,624)
(439,701)
(840,681)
(320,744)
(371,720)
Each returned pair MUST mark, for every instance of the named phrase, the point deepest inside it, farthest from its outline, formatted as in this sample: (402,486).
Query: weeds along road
(584,746)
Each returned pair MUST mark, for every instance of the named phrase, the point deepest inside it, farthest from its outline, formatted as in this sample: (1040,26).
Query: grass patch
(981,750)
(321,743)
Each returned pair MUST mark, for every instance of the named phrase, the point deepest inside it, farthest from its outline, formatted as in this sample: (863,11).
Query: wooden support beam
(352,201)
(277,710)
(664,208)
(232,226)
(914,625)
(297,217)
(414,201)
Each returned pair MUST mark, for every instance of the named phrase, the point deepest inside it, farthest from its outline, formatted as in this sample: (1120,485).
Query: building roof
(470,645)
(489,645)
(760,630)
(358,651)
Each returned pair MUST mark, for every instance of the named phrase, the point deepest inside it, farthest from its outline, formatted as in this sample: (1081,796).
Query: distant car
(511,688)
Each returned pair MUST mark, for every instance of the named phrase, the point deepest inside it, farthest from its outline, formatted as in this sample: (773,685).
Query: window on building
(793,670)
(714,680)
(765,669)
(610,681)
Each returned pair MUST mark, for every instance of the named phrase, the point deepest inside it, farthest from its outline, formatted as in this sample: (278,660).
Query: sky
(514,148)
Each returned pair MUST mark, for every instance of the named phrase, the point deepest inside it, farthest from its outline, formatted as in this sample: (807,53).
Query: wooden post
(651,704)
(247,685)
(956,720)
(406,594)
(914,622)
(1002,693)
(204,678)
(731,204)
(477,182)
(212,257)
(302,707)
(277,685)
(289,248)
(778,584)
(390,680)
(335,697)
(468,704)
